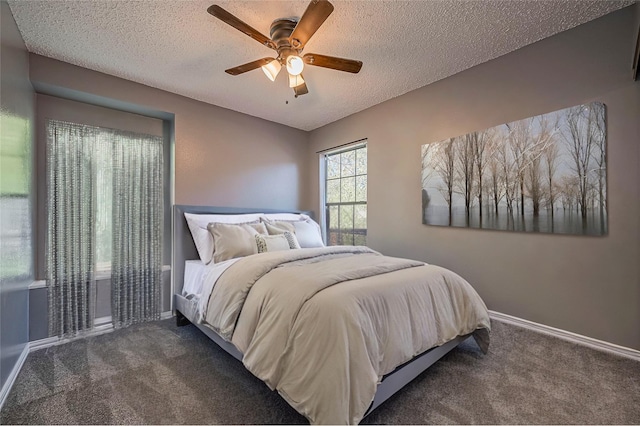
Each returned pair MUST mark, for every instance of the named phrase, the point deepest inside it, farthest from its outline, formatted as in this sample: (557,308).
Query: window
(104,187)
(15,205)
(345,195)
(104,213)
(101,156)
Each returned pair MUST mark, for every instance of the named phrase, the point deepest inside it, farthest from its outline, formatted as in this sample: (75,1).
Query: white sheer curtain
(71,243)
(136,269)
(105,211)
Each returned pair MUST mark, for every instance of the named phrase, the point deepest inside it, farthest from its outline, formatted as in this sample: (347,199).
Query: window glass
(15,203)
(345,195)
(103,204)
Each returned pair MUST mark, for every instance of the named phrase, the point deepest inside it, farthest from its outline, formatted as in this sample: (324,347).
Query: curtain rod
(340,146)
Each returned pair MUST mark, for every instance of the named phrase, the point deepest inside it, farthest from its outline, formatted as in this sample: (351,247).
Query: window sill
(100,276)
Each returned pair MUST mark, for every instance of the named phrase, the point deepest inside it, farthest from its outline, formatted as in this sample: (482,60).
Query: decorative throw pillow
(234,240)
(284,241)
(292,240)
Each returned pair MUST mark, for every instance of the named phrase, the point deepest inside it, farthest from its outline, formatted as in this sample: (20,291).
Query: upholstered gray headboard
(183,246)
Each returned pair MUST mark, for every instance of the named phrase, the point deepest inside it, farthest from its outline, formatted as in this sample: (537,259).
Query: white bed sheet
(209,275)
(193,275)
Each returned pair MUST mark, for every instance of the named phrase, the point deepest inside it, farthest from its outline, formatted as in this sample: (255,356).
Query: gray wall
(587,285)
(222,157)
(16,193)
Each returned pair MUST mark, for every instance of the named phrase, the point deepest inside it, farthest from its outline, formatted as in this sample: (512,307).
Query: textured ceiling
(177,46)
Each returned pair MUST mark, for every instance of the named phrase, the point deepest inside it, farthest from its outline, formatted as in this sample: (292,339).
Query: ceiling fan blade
(236,23)
(317,12)
(340,64)
(301,90)
(248,67)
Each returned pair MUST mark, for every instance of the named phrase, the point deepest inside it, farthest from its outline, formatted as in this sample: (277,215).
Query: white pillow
(308,233)
(289,217)
(202,238)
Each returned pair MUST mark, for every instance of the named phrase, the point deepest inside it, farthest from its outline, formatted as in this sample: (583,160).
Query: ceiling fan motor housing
(281,30)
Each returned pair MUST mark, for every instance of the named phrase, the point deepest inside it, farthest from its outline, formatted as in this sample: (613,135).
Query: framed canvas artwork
(546,173)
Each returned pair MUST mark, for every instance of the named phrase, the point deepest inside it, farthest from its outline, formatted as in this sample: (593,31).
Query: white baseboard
(4,392)
(102,325)
(100,328)
(567,335)
(102,321)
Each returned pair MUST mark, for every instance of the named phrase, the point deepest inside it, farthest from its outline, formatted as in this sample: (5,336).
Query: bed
(337,346)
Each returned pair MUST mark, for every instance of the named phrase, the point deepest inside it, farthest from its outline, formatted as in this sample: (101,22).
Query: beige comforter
(322,326)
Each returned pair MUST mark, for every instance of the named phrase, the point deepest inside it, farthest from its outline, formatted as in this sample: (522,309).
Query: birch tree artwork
(541,174)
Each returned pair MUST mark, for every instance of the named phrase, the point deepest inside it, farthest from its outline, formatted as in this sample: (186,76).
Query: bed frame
(184,249)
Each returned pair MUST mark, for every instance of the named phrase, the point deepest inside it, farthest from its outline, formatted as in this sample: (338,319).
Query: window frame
(324,206)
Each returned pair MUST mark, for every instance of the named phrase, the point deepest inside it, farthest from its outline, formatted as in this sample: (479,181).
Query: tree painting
(541,174)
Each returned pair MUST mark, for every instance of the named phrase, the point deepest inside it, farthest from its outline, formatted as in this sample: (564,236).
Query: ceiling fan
(288,38)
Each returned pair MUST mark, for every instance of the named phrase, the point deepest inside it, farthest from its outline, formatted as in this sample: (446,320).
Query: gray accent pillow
(231,240)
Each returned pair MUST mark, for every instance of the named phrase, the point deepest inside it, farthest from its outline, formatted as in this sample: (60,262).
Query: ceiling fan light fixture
(289,37)
(294,64)
(295,80)
(272,69)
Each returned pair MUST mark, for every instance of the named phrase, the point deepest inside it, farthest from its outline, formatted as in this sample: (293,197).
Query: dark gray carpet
(156,373)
